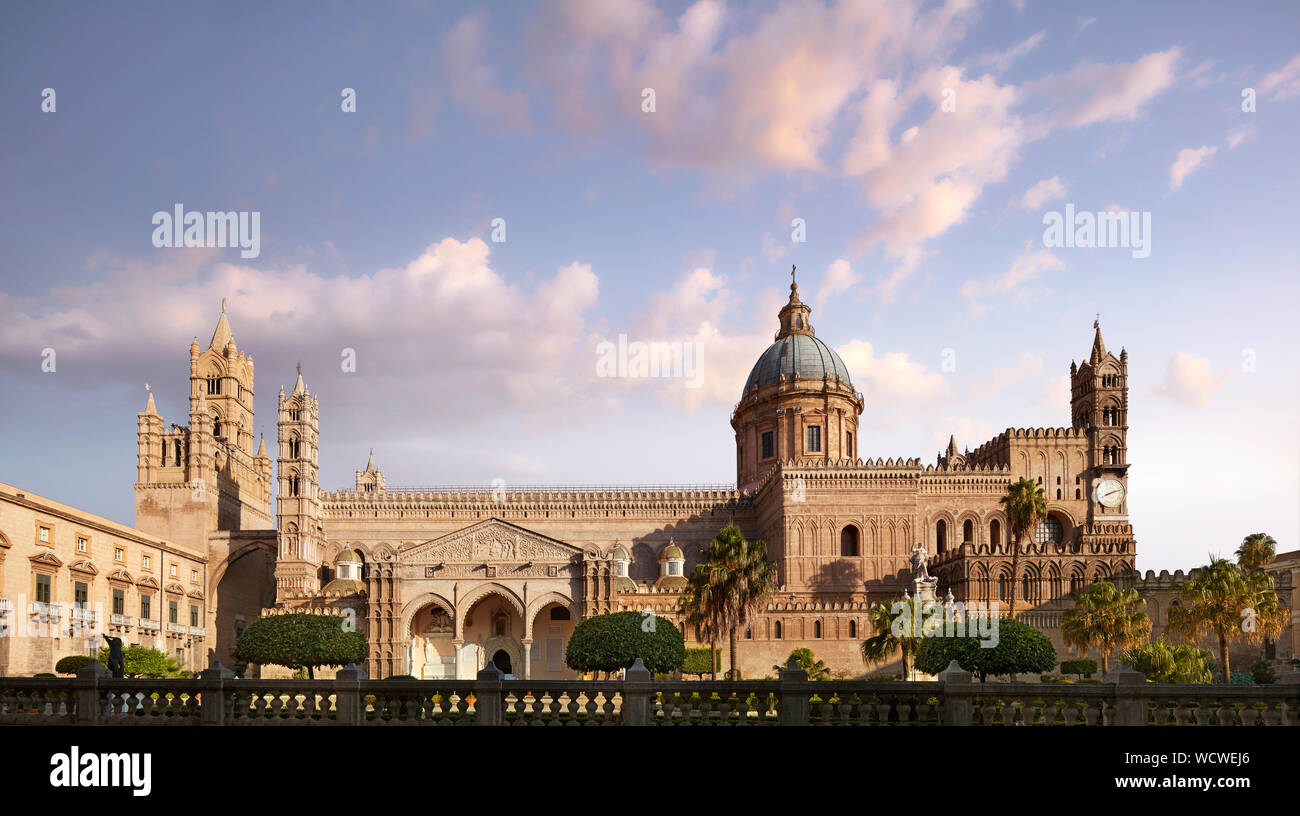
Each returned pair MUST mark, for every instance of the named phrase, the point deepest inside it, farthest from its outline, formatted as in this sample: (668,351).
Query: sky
(518,184)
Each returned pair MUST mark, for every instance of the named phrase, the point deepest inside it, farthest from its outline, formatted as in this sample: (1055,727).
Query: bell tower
(1099,407)
(298,506)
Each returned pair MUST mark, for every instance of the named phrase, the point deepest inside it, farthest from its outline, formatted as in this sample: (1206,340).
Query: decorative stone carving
(490,541)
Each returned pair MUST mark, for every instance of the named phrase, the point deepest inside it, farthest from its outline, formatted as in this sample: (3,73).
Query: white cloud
(1044,191)
(1188,160)
(839,278)
(1240,134)
(473,82)
(1027,365)
(1027,266)
(1001,60)
(1097,92)
(1282,83)
(1189,380)
(894,386)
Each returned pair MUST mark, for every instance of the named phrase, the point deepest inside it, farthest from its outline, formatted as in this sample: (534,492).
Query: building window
(776,630)
(1029,588)
(560,613)
(967,530)
(749,633)
(853,629)
(216,427)
(83,545)
(43,534)
(119,602)
(769,445)
(294,414)
(80,593)
(1049,531)
(43,588)
(171,570)
(119,554)
(940,536)
(848,444)
(171,612)
(995,532)
(817,629)
(674,568)
(1004,587)
(293,448)
(178,452)
(194,576)
(293,486)
(814,439)
(194,615)
(146,602)
(849,542)
(146,562)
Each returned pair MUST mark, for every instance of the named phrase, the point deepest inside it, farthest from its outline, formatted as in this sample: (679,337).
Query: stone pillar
(90,702)
(794,700)
(487,695)
(957,708)
(528,659)
(347,695)
(211,687)
(460,658)
(1130,703)
(637,693)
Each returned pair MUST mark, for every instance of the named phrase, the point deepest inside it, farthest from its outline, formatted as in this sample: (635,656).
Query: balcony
(46,610)
(6,606)
(177,629)
(198,631)
(84,615)
(145,623)
(121,620)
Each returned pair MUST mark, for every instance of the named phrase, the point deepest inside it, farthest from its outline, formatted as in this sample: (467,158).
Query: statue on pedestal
(116,663)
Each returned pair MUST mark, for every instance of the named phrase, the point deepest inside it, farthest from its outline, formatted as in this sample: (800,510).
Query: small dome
(620,554)
(344,586)
(624,584)
(801,354)
(670,552)
(671,583)
(348,557)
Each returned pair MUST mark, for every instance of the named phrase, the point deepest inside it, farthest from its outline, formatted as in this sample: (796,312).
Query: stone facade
(67,577)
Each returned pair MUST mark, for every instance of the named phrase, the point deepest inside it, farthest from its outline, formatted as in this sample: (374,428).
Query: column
(528,658)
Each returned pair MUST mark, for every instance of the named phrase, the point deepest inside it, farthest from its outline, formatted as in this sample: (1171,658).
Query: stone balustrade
(215,697)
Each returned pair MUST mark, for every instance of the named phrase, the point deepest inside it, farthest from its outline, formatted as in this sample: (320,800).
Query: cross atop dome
(794,315)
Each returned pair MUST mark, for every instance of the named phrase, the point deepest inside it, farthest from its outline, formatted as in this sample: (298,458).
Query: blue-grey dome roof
(802,353)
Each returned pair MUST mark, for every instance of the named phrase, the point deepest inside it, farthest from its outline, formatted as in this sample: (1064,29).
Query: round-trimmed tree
(613,642)
(301,641)
(1020,648)
(73,663)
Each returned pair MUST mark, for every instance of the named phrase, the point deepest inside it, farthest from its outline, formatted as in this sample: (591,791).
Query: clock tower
(1099,407)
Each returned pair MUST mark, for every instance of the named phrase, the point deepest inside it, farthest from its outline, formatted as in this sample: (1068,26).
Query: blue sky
(475,358)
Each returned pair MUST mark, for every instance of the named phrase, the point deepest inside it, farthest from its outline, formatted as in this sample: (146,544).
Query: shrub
(301,641)
(73,663)
(400,677)
(697,661)
(1019,648)
(806,660)
(613,642)
(1084,667)
(1165,663)
(1262,672)
(141,661)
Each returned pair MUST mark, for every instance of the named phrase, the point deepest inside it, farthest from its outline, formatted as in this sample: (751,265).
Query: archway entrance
(502,661)
(492,632)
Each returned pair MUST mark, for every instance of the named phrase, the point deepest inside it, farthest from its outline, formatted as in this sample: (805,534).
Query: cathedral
(442,580)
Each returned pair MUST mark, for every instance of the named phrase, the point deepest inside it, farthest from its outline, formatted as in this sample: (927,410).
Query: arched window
(940,535)
(216,427)
(1076,582)
(1054,584)
(995,532)
(294,447)
(849,542)
(293,485)
(1004,586)
(817,629)
(776,630)
(853,628)
(1058,492)
(749,633)
(1049,531)
(1029,587)
(178,451)
(967,530)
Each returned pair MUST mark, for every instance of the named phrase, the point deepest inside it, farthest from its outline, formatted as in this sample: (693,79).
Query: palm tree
(1226,602)
(730,586)
(1025,505)
(1107,619)
(701,608)
(806,660)
(888,640)
(1256,550)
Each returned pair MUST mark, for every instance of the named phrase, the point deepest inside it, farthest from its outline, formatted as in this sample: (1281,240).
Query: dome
(671,583)
(348,557)
(670,552)
(801,354)
(624,584)
(620,554)
(344,586)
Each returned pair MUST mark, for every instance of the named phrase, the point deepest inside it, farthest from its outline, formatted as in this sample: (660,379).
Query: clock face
(1109,492)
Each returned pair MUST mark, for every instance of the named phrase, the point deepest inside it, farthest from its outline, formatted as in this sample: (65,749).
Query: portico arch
(543,601)
(479,593)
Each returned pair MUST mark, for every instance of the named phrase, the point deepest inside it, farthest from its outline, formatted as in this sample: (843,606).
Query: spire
(149,408)
(298,387)
(370,465)
(1098,347)
(261,448)
(222,335)
(794,315)
(952,445)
